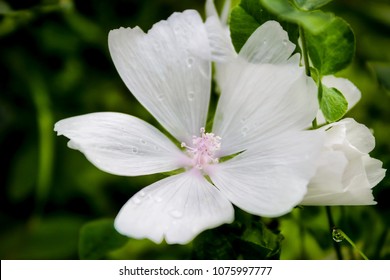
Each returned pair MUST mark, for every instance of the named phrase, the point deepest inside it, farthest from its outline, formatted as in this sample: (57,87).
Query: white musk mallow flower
(257,155)
(346,173)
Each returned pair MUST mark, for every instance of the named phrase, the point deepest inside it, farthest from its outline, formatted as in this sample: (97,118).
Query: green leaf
(98,239)
(309,5)
(246,238)
(260,242)
(333,104)
(333,48)
(216,244)
(248,16)
(244,20)
(313,21)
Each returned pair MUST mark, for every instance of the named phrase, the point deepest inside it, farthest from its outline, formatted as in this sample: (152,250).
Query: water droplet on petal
(285,41)
(136,200)
(191,96)
(190,62)
(337,235)
(157,148)
(161,97)
(265,42)
(141,193)
(143,141)
(176,214)
(134,150)
(244,130)
(157,199)
(243,120)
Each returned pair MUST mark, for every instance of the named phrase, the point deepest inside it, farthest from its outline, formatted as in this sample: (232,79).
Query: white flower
(346,173)
(261,114)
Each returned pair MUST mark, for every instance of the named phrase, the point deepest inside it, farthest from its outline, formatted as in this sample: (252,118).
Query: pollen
(203,149)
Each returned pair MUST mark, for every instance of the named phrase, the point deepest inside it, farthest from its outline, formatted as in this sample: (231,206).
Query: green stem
(342,233)
(46,144)
(331,223)
(304,51)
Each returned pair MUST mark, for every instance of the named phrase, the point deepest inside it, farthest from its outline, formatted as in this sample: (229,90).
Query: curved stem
(304,51)
(46,144)
(342,233)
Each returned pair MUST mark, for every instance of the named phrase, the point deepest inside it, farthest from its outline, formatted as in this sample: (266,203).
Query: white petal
(121,144)
(272,179)
(346,173)
(374,170)
(221,45)
(359,135)
(327,181)
(353,189)
(347,88)
(350,133)
(222,48)
(225,11)
(268,44)
(262,100)
(210,9)
(168,70)
(176,208)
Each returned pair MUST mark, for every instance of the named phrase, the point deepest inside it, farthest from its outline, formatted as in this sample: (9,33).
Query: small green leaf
(244,20)
(216,244)
(98,239)
(313,21)
(248,16)
(246,238)
(333,104)
(333,48)
(260,242)
(310,5)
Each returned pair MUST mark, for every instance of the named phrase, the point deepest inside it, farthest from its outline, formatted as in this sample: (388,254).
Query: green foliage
(332,49)
(54,237)
(98,239)
(309,5)
(245,19)
(333,104)
(62,49)
(312,21)
(247,238)
(248,16)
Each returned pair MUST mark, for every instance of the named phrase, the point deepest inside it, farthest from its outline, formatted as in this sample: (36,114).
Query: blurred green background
(54,63)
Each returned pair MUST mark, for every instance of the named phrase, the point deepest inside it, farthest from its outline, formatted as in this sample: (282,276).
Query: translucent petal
(121,144)
(219,37)
(176,208)
(212,11)
(374,170)
(327,181)
(272,179)
(268,44)
(168,70)
(259,101)
(348,132)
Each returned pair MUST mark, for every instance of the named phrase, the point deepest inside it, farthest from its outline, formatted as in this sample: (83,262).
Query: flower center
(203,149)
